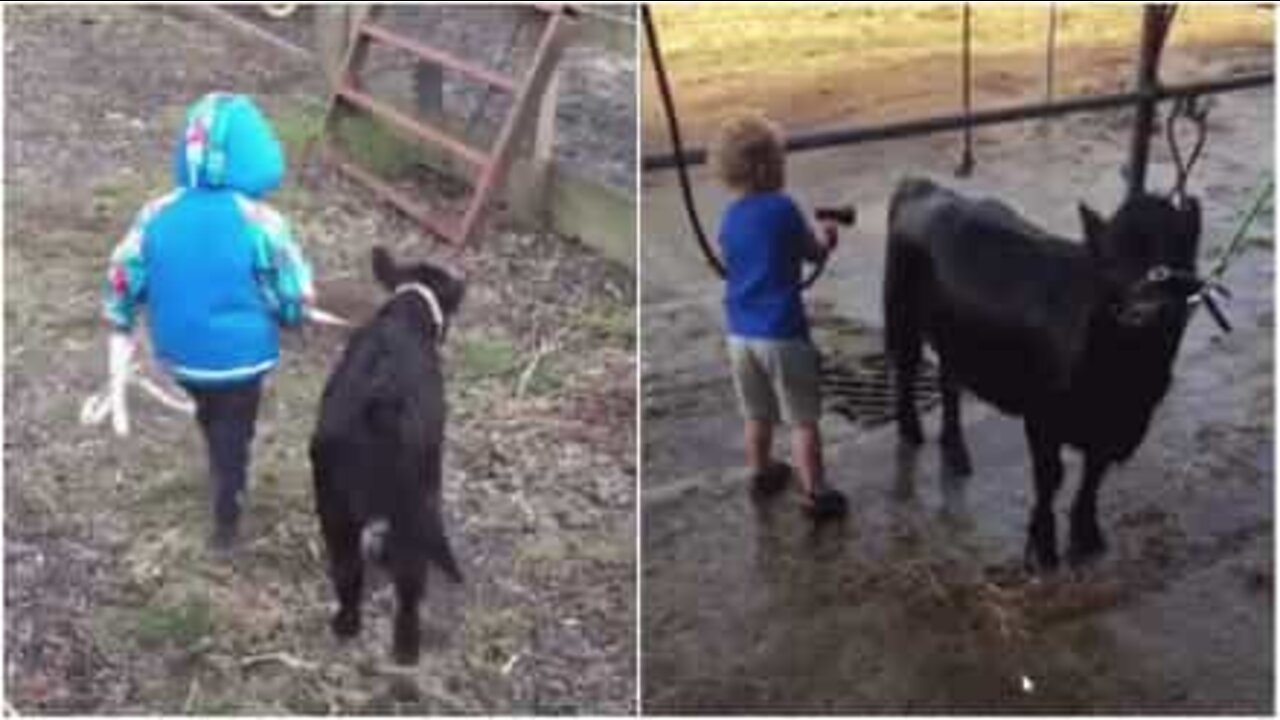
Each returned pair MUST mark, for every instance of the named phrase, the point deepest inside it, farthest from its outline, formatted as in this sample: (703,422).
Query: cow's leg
(341,532)
(408,561)
(346,571)
(1042,541)
(909,429)
(1087,542)
(955,455)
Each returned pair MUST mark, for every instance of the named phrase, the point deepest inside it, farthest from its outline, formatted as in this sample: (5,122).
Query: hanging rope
(1260,201)
(1188,109)
(1213,286)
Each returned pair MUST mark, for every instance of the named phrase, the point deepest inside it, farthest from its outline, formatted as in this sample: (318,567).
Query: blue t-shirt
(762,241)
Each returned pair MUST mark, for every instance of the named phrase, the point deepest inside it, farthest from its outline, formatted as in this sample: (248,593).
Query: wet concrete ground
(918,602)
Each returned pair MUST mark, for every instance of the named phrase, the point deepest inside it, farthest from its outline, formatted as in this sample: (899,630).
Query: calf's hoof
(405,649)
(956,458)
(1039,558)
(345,624)
(910,432)
(1086,546)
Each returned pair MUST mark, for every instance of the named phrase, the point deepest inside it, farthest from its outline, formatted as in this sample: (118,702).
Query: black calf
(1078,339)
(376,452)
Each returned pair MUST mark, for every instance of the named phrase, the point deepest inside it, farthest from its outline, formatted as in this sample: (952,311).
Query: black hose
(682,171)
(677,145)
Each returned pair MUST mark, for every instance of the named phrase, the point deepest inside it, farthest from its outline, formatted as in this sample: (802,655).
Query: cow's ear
(454,290)
(1094,226)
(384,268)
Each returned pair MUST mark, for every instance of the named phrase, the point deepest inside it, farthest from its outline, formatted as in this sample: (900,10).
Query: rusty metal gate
(488,167)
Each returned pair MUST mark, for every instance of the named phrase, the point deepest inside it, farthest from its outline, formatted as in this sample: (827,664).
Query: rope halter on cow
(1185,283)
(433,304)
(1195,288)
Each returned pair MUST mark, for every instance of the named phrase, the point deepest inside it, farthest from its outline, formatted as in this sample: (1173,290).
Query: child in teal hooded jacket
(218,272)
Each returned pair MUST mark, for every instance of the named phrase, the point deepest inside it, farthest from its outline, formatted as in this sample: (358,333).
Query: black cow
(1076,338)
(377,448)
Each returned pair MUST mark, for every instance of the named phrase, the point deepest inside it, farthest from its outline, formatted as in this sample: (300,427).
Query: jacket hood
(227,142)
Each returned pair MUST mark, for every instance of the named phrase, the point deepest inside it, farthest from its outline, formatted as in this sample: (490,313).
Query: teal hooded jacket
(216,267)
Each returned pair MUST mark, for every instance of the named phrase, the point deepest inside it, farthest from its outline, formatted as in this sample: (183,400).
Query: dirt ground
(918,602)
(112,604)
(857,64)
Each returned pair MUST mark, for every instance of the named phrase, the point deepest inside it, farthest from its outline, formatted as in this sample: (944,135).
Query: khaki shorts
(776,379)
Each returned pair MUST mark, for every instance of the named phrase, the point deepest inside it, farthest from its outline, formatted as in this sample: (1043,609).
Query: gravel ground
(112,603)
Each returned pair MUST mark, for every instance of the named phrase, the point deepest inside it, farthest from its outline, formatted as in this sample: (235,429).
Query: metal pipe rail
(945,123)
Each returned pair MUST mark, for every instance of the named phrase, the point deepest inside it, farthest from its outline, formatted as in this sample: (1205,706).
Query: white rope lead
(321,316)
(112,401)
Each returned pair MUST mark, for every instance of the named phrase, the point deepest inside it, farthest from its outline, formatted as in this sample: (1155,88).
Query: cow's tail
(903,283)
(909,188)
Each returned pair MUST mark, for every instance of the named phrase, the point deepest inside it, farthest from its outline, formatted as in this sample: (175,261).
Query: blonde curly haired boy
(765,240)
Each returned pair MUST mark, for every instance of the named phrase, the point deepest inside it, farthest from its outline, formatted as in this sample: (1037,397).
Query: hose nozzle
(845,215)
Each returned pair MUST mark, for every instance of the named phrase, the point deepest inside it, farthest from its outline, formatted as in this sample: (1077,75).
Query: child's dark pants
(227,415)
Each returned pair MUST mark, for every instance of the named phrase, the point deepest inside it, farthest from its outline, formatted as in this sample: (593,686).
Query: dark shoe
(771,481)
(1087,544)
(226,535)
(346,623)
(406,641)
(1041,554)
(955,457)
(909,431)
(826,504)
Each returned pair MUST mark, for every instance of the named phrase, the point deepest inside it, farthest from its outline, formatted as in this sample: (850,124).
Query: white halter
(428,295)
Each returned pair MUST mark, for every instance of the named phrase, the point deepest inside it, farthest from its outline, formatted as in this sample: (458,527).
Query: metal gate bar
(945,123)
(490,166)
(425,132)
(422,214)
(439,57)
(543,64)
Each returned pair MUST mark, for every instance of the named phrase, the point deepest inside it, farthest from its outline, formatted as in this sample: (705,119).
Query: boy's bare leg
(759,441)
(806,452)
